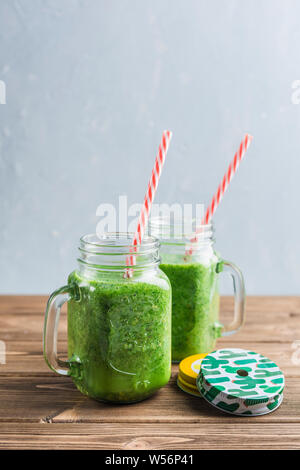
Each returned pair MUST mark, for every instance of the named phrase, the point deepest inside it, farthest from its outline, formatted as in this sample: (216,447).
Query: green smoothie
(119,340)
(195,307)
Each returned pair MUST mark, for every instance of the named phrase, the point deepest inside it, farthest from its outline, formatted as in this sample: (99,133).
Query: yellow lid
(188,388)
(189,369)
(186,384)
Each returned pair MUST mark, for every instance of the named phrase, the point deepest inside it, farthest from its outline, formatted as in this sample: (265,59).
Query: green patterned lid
(241,382)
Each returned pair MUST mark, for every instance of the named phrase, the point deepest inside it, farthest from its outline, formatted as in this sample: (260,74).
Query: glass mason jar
(119,329)
(193,268)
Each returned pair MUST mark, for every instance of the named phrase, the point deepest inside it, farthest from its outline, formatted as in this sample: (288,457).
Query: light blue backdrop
(90,86)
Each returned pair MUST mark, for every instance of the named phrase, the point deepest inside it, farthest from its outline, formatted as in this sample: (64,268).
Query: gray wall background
(90,86)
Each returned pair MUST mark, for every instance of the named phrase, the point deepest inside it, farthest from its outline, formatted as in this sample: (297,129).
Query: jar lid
(187,388)
(241,382)
(188,372)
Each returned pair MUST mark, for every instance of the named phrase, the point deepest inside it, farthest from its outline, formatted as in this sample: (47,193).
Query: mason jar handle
(54,304)
(239,298)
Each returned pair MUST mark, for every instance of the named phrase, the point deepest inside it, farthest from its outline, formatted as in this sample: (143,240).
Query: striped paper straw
(217,197)
(148,199)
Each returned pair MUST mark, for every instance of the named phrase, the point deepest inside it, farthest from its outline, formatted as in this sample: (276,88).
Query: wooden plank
(41,410)
(24,358)
(55,399)
(268,319)
(23,304)
(237,435)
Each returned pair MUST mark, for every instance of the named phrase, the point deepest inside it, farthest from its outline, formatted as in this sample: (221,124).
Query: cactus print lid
(241,382)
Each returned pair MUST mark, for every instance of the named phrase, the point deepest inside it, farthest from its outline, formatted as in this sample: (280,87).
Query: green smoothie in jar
(195,307)
(193,270)
(119,326)
(119,337)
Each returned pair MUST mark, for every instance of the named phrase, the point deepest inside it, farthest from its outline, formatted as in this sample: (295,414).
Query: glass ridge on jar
(119,328)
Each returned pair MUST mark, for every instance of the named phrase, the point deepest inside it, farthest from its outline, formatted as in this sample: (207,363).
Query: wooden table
(39,410)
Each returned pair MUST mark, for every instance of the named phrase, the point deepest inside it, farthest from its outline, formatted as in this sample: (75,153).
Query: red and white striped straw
(232,168)
(149,197)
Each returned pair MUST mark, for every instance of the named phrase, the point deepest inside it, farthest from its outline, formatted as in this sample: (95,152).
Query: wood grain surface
(40,410)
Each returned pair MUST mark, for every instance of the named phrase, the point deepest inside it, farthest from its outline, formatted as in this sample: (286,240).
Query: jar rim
(181,228)
(124,239)
(111,251)
(157,221)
